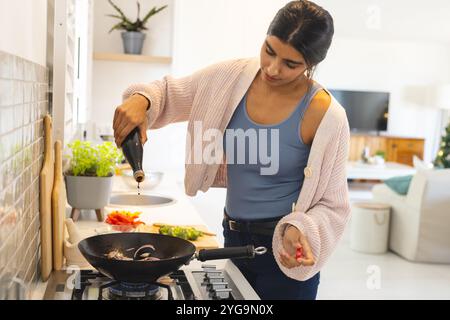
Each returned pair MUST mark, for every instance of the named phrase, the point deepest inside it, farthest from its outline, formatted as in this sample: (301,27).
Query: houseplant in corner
(133,38)
(89,177)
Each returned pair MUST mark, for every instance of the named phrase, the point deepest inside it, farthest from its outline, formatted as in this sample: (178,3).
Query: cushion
(399,185)
(420,164)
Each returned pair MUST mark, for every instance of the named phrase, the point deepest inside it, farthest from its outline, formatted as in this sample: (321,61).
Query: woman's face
(281,64)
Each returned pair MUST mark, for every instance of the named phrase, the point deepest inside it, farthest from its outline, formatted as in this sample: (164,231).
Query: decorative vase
(133,42)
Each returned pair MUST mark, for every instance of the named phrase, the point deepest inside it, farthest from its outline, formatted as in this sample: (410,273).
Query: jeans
(263,273)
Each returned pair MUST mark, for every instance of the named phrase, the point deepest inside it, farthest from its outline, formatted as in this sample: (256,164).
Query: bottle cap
(139,176)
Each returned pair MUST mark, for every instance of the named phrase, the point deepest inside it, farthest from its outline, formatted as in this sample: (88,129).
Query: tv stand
(395,149)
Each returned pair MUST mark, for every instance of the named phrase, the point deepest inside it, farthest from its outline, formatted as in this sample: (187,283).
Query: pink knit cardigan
(211,95)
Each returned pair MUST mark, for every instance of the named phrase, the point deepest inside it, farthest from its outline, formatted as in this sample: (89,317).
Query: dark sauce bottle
(133,151)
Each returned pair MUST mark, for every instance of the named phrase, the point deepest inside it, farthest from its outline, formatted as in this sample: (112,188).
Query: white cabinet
(72,55)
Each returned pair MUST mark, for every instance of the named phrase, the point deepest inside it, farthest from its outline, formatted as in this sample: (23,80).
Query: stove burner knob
(211,279)
(209,274)
(216,279)
(217,285)
(220,294)
(208,267)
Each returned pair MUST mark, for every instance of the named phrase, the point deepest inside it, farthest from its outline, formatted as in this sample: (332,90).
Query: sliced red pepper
(111,219)
(299,253)
(119,218)
(122,218)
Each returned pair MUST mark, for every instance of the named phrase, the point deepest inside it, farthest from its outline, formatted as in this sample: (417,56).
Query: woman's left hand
(295,242)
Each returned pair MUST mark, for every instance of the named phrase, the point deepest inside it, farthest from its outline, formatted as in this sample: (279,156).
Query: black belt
(263,227)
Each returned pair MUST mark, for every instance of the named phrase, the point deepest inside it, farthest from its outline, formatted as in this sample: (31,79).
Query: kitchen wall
(23,103)
(23,29)
(159,34)
(111,78)
(401,47)
(398,46)
(405,69)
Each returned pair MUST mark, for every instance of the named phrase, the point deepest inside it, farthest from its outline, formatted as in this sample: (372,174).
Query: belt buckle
(232,225)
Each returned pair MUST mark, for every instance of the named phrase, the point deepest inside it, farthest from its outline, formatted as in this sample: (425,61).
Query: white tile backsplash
(23,104)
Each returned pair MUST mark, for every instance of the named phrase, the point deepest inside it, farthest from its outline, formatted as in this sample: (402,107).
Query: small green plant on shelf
(126,24)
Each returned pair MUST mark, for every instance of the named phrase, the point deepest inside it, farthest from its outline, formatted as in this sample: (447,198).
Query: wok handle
(229,253)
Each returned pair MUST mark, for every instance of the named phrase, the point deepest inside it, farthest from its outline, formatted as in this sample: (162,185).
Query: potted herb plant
(133,38)
(90,173)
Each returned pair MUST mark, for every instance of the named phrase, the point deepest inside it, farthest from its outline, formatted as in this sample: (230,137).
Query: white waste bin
(370,227)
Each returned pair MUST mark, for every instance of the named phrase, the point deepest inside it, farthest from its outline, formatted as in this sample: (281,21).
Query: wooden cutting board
(204,242)
(58,209)
(45,201)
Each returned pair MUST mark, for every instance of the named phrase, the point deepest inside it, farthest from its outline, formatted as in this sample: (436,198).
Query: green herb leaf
(89,160)
(152,13)
(126,23)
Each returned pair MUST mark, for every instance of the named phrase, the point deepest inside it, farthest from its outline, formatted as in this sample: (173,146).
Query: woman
(299,209)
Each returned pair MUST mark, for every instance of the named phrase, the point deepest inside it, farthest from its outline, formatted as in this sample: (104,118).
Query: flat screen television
(367,111)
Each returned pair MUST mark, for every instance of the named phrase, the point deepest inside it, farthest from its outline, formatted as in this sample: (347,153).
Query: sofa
(420,220)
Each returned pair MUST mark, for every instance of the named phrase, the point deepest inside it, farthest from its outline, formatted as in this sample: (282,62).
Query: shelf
(131,58)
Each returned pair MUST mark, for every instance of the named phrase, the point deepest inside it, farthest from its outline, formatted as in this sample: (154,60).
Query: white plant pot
(88,192)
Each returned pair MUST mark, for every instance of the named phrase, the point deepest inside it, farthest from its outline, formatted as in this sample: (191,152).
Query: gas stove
(219,281)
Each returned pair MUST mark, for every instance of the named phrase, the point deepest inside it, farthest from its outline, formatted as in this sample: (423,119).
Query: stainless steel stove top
(217,280)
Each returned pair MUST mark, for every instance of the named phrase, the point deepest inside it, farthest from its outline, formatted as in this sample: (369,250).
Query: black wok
(173,252)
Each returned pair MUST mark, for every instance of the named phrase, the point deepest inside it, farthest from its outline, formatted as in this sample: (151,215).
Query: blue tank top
(265,163)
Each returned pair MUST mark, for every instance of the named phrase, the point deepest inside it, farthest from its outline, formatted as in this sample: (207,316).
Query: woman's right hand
(131,114)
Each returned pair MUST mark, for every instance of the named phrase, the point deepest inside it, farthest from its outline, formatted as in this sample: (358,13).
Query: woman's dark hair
(307,27)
